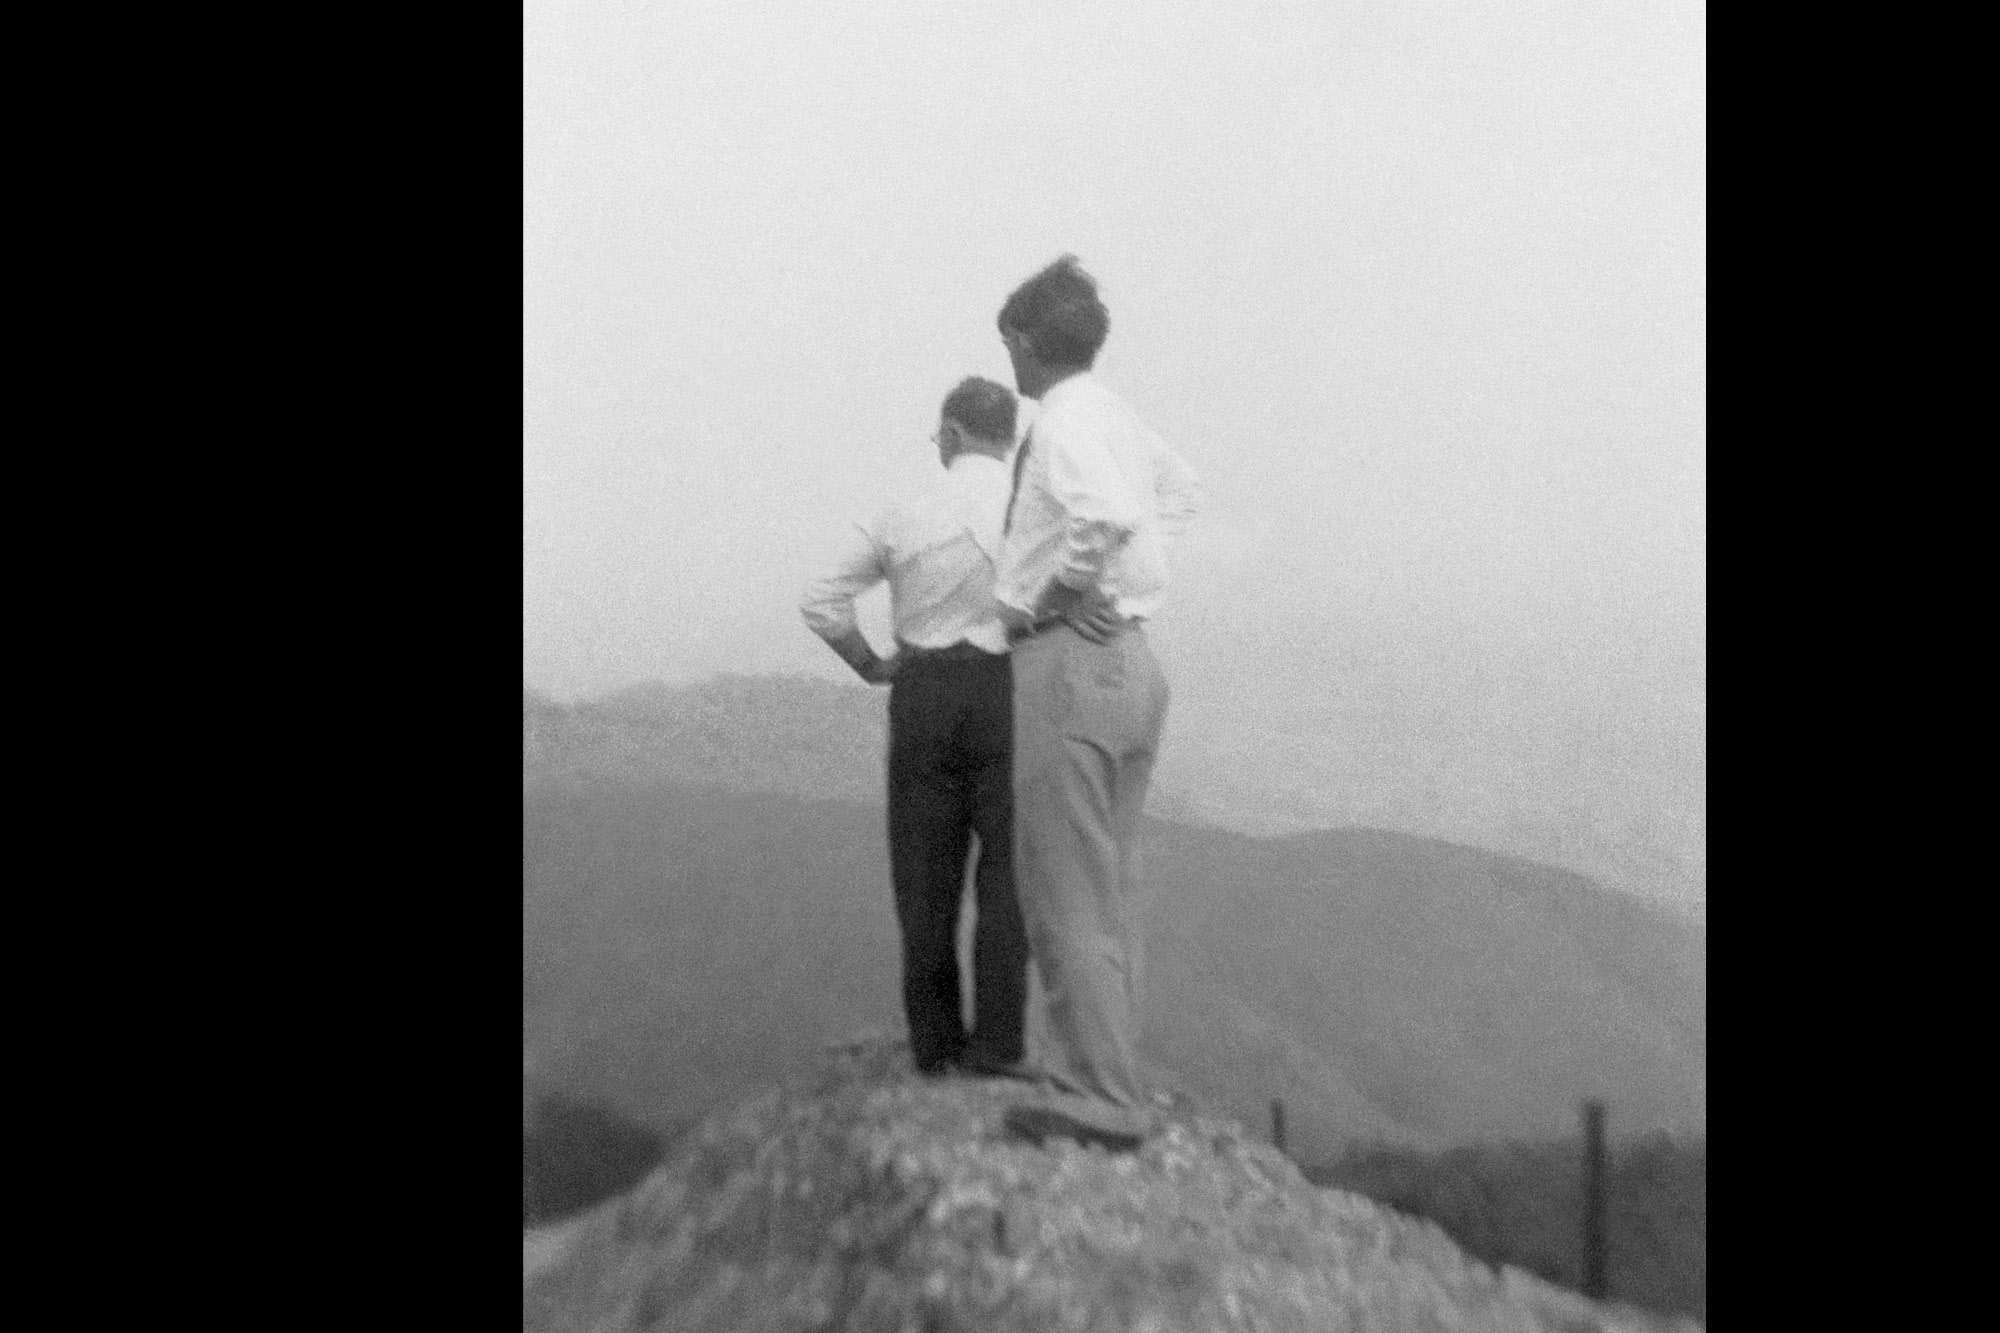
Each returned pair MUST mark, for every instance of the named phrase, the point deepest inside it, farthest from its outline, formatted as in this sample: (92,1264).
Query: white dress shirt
(938,553)
(1101,497)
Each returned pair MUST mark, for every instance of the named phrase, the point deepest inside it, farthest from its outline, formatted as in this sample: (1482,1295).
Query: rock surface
(865,1198)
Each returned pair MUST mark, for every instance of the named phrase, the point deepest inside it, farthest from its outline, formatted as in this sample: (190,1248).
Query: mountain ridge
(687,938)
(820,736)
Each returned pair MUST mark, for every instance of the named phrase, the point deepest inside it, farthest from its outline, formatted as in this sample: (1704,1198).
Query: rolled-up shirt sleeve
(1177,491)
(1100,511)
(828,603)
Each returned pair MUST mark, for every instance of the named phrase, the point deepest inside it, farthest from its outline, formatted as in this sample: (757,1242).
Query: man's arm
(1074,593)
(857,652)
(1177,491)
(828,606)
(1100,511)
(1100,514)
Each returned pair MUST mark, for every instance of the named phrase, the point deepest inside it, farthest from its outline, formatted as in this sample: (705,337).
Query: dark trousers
(951,775)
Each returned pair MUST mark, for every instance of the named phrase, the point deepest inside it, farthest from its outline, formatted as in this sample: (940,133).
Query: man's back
(938,551)
(1098,495)
(1100,499)
(950,770)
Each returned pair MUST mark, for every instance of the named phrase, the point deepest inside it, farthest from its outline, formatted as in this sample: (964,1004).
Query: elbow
(821,617)
(1101,538)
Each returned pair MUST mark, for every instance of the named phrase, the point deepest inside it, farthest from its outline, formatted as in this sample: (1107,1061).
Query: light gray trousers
(1087,722)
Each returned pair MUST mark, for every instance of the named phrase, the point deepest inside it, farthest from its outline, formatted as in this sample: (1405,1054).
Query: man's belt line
(1022,633)
(908,654)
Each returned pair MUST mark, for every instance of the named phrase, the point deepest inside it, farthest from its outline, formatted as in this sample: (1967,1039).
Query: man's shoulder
(977,487)
(1081,401)
(1078,393)
(948,503)
(949,490)
(917,498)
(1086,403)
(900,513)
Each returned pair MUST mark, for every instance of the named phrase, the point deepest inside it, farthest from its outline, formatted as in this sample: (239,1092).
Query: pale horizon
(1419,289)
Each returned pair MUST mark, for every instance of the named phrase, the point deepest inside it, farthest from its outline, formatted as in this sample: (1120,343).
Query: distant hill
(1639,827)
(822,737)
(798,734)
(696,923)
(1461,993)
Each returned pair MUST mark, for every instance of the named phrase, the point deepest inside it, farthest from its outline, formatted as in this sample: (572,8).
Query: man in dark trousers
(950,731)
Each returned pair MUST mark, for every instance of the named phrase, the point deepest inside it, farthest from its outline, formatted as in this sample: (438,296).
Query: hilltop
(862,1197)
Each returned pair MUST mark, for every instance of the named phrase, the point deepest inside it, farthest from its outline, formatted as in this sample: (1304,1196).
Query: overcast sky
(1418,287)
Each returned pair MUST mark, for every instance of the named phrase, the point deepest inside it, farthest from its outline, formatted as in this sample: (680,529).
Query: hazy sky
(1418,287)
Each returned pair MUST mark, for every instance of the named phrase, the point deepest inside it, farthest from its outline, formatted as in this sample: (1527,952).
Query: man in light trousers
(1096,497)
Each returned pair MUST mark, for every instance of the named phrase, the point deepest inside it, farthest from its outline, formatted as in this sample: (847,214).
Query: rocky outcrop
(864,1198)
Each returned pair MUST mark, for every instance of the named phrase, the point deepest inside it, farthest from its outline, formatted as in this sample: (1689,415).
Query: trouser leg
(1128,805)
(929,838)
(999,940)
(1087,726)
(1079,931)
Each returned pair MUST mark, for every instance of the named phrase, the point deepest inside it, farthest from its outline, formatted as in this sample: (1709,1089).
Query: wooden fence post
(1594,1186)
(1277,1124)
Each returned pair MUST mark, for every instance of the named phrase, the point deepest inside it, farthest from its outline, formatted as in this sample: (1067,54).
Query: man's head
(1053,325)
(977,417)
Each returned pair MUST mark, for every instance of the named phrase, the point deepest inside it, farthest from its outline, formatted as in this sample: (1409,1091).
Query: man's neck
(1048,377)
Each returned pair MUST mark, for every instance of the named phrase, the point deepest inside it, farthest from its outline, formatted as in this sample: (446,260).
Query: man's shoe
(937,1068)
(978,1064)
(1037,1124)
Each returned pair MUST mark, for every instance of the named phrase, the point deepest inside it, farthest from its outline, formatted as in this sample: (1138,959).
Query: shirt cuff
(829,622)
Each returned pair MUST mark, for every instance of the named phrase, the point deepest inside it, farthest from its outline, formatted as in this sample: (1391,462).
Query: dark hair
(984,408)
(1059,312)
